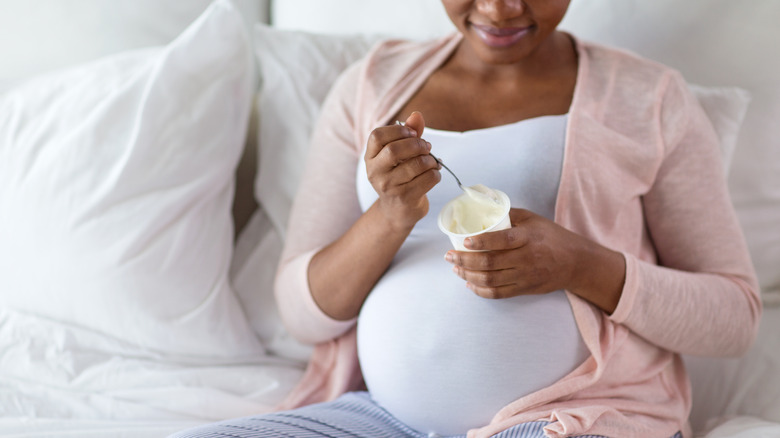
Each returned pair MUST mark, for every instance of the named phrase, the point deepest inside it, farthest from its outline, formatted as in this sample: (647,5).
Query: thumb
(518,215)
(416,122)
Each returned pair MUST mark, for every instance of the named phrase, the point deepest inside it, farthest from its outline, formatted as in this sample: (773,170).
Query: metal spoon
(398,122)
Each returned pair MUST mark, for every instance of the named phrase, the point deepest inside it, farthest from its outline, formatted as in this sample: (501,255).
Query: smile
(500,37)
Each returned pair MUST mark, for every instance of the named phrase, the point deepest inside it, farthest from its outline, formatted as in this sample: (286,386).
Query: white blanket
(113,388)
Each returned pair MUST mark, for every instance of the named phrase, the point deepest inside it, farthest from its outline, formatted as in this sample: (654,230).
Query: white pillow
(258,249)
(115,191)
(726,108)
(296,71)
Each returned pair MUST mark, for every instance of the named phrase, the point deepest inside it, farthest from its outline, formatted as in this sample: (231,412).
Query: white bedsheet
(51,373)
(62,381)
(740,397)
(33,428)
(745,427)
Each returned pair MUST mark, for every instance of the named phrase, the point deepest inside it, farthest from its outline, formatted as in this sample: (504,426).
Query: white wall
(37,36)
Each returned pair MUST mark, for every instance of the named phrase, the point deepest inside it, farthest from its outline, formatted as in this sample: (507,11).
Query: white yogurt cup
(445,217)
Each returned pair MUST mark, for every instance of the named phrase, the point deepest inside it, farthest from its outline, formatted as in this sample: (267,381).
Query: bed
(149,153)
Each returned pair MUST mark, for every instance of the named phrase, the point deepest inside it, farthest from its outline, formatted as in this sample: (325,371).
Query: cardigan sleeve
(702,298)
(324,208)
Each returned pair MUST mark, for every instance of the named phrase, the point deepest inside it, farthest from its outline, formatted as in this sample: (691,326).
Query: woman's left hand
(538,256)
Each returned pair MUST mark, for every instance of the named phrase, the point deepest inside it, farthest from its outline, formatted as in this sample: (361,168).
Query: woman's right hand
(402,171)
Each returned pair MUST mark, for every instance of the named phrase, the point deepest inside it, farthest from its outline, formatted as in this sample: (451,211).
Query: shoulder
(619,78)
(605,60)
(639,97)
(626,77)
(388,73)
(386,62)
(393,61)
(395,53)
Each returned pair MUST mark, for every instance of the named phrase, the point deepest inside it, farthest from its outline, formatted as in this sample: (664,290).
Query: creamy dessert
(476,210)
(479,209)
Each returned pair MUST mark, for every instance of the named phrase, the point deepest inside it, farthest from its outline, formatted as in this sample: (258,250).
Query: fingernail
(449,257)
(428,145)
(412,132)
(456,270)
(467,242)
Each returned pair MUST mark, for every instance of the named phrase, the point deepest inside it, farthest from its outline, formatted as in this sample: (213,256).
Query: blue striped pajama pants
(353,415)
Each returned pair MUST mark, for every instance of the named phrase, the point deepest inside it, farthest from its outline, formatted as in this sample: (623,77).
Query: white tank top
(434,354)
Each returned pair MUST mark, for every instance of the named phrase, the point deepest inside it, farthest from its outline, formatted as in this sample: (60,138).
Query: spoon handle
(398,122)
(448,170)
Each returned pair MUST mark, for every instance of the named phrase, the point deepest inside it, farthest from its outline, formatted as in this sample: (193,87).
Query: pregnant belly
(442,359)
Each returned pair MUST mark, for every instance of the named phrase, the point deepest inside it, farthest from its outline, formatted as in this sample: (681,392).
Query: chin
(504,57)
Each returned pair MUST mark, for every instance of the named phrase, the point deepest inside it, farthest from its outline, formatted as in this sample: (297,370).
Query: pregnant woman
(624,251)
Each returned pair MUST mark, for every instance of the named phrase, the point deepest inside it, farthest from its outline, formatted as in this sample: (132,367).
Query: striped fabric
(353,415)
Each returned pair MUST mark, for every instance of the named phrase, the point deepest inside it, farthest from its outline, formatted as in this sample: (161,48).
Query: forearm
(600,274)
(698,313)
(343,273)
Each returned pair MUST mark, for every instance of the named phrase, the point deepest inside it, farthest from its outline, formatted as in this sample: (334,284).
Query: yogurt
(478,210)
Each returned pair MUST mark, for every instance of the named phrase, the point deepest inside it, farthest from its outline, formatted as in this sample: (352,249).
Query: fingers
(401,162)
(515,237)
(518,215)
(397,155)
(535,256)
(500,292)
(503,283)
(482,261)
(381,137)
(424,182)
(413,127)
(417,122)
(400,151)
(497,278)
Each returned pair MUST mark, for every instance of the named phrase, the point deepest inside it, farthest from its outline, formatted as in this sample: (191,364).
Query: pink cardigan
(641,175)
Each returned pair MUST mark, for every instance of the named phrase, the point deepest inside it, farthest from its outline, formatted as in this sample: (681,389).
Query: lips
(500,36)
